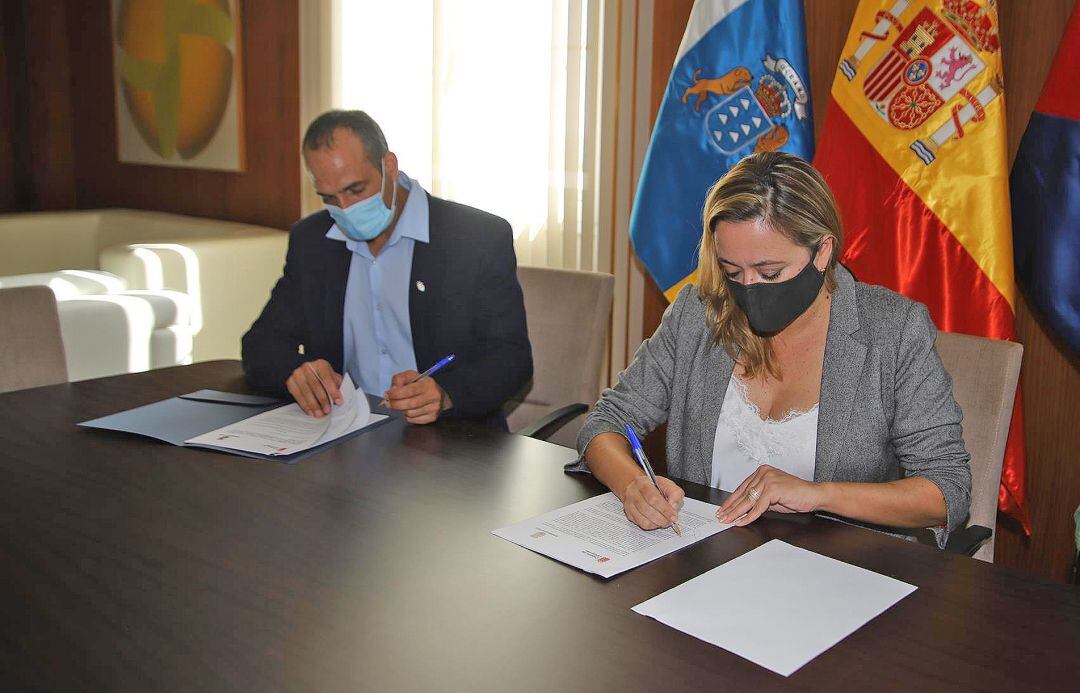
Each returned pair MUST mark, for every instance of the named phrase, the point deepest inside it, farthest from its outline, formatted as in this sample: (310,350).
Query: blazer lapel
(335,280)
(419,278)
(718,369)
(844,359)
(425,281)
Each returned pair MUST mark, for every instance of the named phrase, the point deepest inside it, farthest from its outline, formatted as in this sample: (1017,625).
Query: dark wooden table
(128,564)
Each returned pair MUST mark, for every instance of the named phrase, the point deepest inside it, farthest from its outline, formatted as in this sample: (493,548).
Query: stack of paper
(777,605)
(288,430)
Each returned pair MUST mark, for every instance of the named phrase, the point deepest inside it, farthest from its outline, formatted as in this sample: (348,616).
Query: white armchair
(151,289)
(105,335)
(228,280)
(109,330)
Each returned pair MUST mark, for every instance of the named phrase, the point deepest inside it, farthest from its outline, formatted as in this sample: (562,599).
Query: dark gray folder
(180,418)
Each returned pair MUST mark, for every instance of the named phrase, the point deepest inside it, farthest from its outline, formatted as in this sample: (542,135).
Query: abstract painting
(177,74)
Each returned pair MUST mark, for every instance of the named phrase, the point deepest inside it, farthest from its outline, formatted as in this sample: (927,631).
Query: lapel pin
(420,286)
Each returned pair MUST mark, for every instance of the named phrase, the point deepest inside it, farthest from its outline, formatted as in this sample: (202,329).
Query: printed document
(778,605)
(288,430)
(595,536)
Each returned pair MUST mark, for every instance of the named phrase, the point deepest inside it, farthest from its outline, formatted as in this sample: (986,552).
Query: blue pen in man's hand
(643,460)
(428,373)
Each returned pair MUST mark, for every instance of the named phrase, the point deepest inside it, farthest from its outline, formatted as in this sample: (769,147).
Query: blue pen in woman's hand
(643,460)
(426,374)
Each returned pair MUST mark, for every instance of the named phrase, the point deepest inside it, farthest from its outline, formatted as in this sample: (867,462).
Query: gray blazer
(886,409)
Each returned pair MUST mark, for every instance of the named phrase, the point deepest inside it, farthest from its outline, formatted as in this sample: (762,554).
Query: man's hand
(422,401)
(309,393)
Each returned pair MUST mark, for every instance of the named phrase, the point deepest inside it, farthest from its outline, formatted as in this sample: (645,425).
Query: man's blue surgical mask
(366,219)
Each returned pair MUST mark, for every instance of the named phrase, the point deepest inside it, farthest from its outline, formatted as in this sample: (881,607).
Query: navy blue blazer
(471,306)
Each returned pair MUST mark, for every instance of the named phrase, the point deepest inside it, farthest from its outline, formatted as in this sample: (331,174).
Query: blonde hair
(787,194)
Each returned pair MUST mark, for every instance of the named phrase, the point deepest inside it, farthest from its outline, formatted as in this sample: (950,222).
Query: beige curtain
(320,83)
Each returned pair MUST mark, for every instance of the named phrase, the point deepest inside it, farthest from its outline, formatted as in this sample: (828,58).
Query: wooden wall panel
(49,110)
(17,159)
(1051,386)
(39,107)
(827,25)
(7,152)
(62,119)
(1051,378)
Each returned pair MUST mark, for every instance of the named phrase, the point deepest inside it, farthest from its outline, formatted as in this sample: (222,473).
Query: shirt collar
(413,222)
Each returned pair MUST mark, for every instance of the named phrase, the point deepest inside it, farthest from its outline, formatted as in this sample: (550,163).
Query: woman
(785,381)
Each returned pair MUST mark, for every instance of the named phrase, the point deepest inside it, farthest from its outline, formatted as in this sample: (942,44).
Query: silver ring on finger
(753,493)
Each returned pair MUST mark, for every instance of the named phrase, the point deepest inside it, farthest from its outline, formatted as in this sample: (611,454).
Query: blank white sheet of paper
(778,605)
(595,536)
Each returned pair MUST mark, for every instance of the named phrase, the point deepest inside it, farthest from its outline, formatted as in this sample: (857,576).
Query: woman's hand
(646,507)
(770,489)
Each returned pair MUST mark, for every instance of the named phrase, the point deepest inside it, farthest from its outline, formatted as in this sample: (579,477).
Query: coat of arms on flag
(929,64)
(751,116)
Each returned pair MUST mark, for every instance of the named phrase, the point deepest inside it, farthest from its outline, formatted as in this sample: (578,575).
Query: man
(385,282)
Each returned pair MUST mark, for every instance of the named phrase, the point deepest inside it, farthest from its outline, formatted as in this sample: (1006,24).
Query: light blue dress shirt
(378,334)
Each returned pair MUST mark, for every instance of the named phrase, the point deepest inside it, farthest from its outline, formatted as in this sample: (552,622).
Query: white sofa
(140,290)
(109,330)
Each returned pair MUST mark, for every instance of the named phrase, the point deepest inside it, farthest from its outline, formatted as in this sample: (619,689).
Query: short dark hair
(321,132)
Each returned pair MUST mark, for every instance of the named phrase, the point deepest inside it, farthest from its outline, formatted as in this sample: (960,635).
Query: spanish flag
(913,147)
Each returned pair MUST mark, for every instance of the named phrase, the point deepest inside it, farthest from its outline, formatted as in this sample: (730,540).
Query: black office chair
(968,540)
(548,425)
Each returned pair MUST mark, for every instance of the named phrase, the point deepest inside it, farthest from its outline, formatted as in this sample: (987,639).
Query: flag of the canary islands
(740,85)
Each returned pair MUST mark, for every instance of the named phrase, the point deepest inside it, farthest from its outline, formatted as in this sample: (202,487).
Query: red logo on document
(603,559)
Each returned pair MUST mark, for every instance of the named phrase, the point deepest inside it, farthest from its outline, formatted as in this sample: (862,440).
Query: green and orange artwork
(175,69)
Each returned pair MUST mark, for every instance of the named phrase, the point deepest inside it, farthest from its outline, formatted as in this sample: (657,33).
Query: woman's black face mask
(772,306)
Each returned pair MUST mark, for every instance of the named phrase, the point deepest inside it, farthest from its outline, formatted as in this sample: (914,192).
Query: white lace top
(744,441)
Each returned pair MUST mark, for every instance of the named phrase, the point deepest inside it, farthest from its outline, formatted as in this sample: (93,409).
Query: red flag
(914,149)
